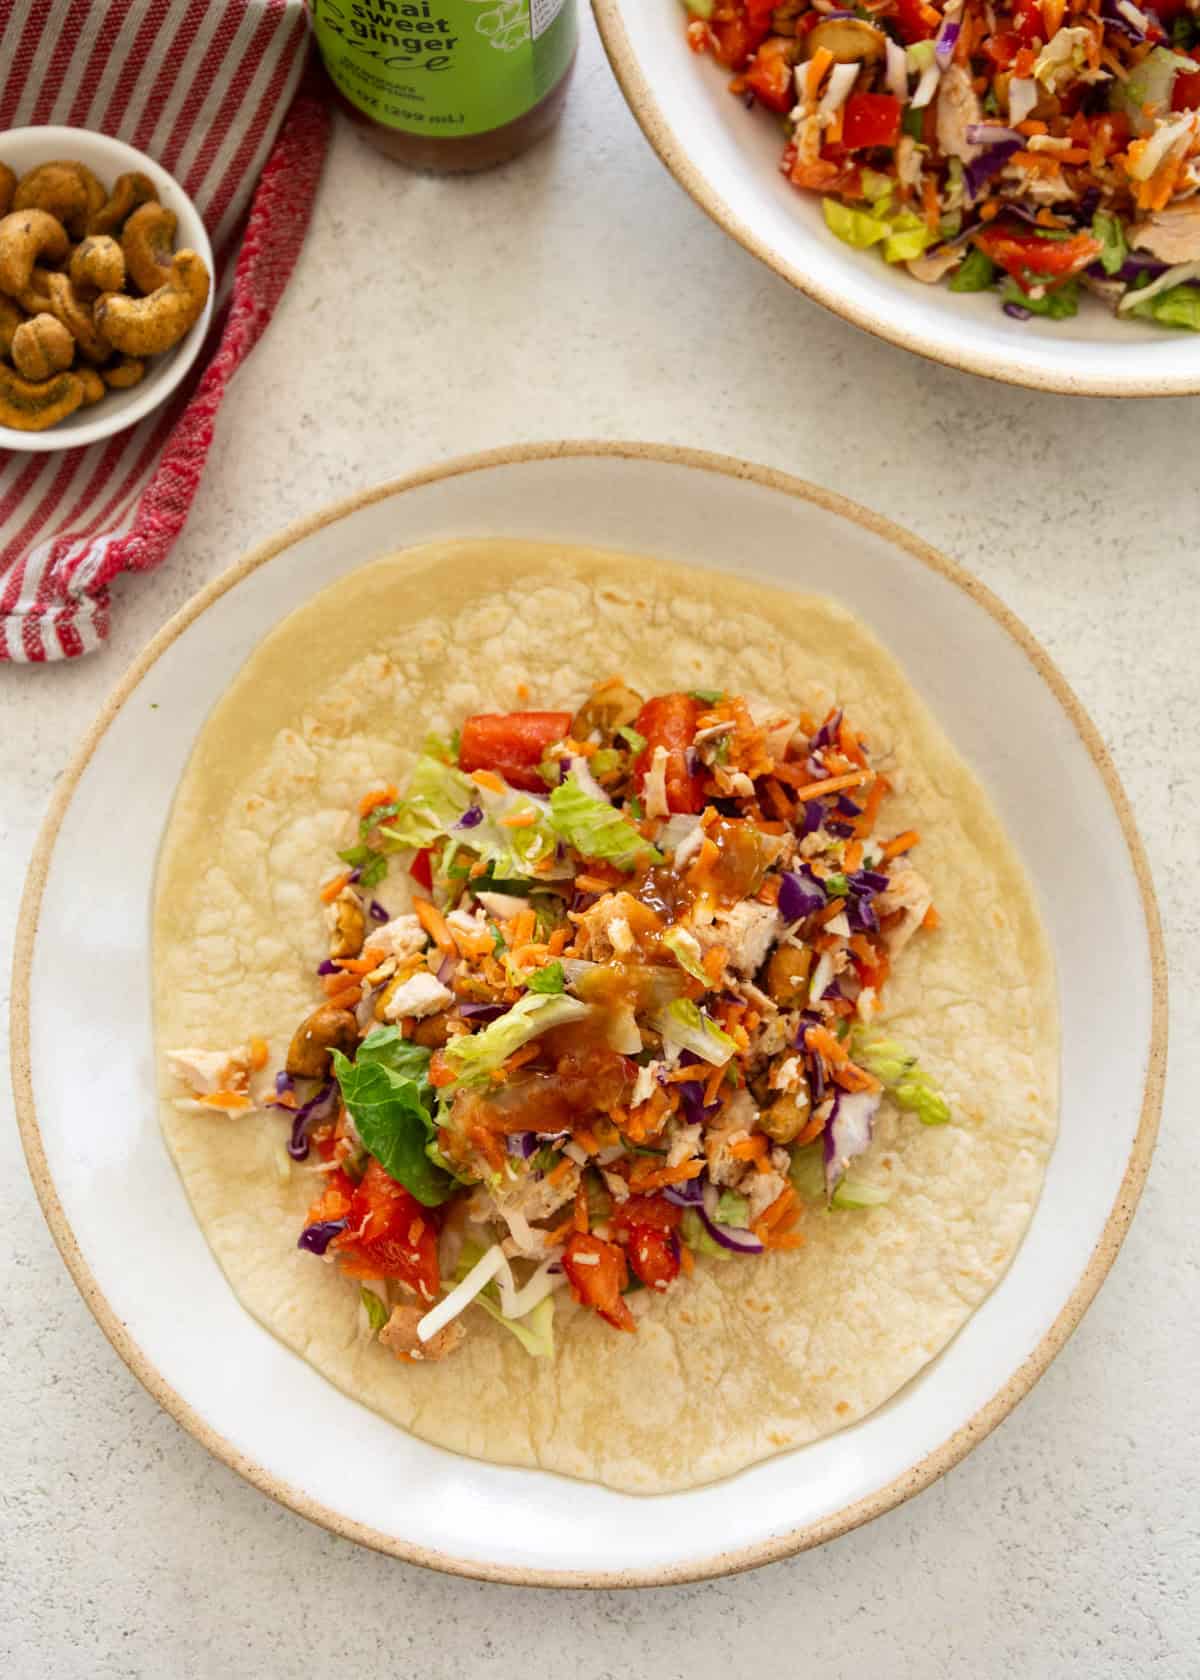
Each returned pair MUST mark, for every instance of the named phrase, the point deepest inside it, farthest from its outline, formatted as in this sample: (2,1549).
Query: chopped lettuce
(1179,306)
(685,948)
(901,1076)
(732,1209)
(855,1193)
(635,742)
(547,980)
(1058,305)
(596,829)
(375,1309)
(807,1172)
(436,797)
(1061,59)
(372,866)
(475,1056)
(1108,230)
(975,273)
(535,1331)
(903,234)
(684,1024)
(386,1091)
(697,1238)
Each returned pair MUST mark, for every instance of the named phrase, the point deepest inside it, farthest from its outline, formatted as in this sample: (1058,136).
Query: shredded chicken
(1172,235)
(957,108)
(399,1335)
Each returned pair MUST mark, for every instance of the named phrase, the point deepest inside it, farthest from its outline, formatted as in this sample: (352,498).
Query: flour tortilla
(747,1358)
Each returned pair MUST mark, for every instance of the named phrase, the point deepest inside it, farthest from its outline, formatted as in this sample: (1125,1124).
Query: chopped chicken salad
(629,1024)
(1035,148)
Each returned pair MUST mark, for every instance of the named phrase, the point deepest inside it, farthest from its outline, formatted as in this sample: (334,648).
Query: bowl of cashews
(106,287)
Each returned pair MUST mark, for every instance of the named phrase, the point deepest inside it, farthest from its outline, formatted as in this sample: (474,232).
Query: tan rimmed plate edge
(934,1464)
(639,96)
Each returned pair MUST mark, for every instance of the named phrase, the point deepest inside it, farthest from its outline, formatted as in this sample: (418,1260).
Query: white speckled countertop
(575,293)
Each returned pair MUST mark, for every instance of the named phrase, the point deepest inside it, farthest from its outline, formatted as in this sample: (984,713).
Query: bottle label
(445,67)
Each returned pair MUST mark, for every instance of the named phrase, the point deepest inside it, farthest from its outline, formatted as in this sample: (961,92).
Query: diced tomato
(335,1200)
(1028,21)
(739,37)
(1003,47)
(1168,9)
(512,744)
(870,119)
(389,1235)
(654,1256)
(1032,261)
(655,1212)
(597,1273)
(912,22)
(769,75)
(1185,92)
(669,720)
(759,12)
(421,869)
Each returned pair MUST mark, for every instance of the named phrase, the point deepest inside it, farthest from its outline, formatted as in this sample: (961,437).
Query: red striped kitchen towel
(214,90)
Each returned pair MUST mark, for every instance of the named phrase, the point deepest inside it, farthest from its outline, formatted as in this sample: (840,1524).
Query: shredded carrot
(713,962)
(752,1148)
(434,923)
(332,888)
(258,1053)
(817,66)
(853,1078)
(231,1101)
(487,779)
(333,985)
(778,800)
(522,691)
(706,857)
(832,909)
(519,819)
(1031,126)
(931,919)
(931,204)
(777,1209)
(852,859)
(687,1263)
(592,883)
(832,784)
(561,1171)
(581,1209)
(823,1041)
(527,1053)
(768,893)
(355,965)
(863,825)
(657,1178)
(901,843)
(989,210)
(712,1089)
(586,1140)
(708,816)
(811,1132)
(557,942)
(380,796)
(862,948)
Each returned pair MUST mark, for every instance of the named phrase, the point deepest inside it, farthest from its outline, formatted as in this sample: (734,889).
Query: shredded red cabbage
(315,1239)
(522,1144)
(377,912)
(471,817)
(327,967)
(800,894)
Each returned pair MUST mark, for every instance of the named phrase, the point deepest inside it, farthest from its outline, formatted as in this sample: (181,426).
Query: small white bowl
(728,160)
(22,149)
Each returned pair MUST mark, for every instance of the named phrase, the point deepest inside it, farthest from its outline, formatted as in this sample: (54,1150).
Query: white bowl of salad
(1010,188)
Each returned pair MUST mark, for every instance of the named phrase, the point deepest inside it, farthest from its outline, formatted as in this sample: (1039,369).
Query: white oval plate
(84,1056)
(727,158)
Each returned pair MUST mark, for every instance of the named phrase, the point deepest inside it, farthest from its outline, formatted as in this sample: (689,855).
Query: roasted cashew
(128,192)
(94,388)
(8,186)
(42,347)
(35,298)
(123,374)
(58,188)
(327,1029)
(148,246)
(97,265)
(11,316)
(26,235)
(27,406)
(147,326)
(76,314)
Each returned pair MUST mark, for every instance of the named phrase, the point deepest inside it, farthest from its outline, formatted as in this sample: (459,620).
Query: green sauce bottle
(448,84)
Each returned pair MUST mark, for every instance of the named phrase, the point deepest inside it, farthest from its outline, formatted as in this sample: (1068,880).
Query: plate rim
(934,1463)
(650,118)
